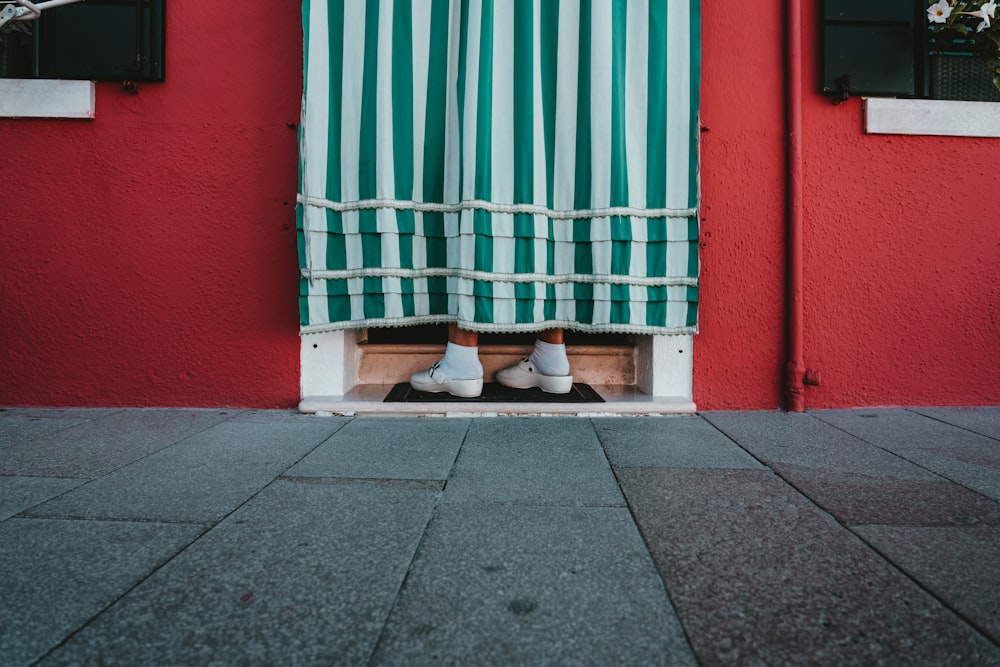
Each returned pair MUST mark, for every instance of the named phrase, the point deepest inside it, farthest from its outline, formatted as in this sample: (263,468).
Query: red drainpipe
(795,400)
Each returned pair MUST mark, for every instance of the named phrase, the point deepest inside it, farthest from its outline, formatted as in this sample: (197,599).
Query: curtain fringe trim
(487,276)
(493,207)
(482,327)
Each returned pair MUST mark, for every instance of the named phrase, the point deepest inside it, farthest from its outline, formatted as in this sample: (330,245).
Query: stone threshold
(620,400)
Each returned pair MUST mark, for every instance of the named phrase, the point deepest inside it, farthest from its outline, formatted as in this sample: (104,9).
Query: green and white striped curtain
(508,165)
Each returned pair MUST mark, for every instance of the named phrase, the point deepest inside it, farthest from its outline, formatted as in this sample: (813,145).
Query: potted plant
(965,49)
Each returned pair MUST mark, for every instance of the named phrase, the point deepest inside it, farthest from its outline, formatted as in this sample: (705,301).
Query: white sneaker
(524,375)
(435,381)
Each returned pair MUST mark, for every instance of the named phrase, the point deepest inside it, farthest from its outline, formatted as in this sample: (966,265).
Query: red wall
(152,260)
(902,264)
(902,240)
(148,256)
(738,353)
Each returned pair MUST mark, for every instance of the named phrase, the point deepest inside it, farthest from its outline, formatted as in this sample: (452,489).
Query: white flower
(939,12)
(984,16)
(989,9)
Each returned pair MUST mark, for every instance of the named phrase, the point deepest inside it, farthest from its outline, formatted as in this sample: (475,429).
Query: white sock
(550,358)
(461,362)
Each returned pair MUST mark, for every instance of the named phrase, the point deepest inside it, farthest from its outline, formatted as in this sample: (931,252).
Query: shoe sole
(460,388)
(550,384)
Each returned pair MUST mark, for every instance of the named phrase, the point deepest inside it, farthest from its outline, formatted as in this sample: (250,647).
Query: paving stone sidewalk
(228,537)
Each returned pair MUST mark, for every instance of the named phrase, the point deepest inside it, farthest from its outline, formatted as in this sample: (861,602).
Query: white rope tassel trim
(492,276)
(307,272)
(493,207)
(498,328)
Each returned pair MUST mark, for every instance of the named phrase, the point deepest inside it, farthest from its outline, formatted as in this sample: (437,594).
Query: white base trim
(664,366)
(44,98)
(329,363)
(946,118)
(329,383)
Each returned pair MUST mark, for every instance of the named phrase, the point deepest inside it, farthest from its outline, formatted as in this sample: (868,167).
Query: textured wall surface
(901,241)
(738,352)
(148,255)
(902,266)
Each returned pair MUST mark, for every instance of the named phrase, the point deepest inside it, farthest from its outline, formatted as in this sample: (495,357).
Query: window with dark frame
(887,48)
(117,40)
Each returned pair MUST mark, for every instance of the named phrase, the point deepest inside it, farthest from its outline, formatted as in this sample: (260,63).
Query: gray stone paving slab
(669,442)
(903,429)
(200,479)
(21,428)
(870,499)
(960,565)
(803,440)
(419,448)
(855,481)
(102,445)
(968,458)
(508,585)
(760,576)
(290,416)
(985,420)
(533,461)
(55,575)
(60,413)
(20,493)
(304,574)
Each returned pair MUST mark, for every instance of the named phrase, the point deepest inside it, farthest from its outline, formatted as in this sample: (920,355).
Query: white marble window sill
(46,98)
(945,118)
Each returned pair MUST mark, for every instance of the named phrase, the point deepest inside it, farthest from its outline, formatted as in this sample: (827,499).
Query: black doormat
(494,392)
